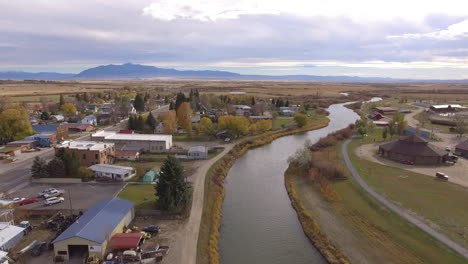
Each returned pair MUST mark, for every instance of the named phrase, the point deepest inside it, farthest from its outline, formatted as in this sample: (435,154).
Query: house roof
(125,240)
(7,232)
(119,152)
(383,108)
(152,172)
(91,145)
(111,168)
(463,145)
(45,128)
(413,145)
(99,221)
(197,149)
(143,137)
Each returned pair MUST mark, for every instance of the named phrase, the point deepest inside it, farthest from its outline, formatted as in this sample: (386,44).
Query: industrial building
(151,143)
(90,152)
(112,172)
(10,235)
(93,230)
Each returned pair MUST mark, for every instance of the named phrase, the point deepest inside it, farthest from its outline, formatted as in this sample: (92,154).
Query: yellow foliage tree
(184,116)
(68,108)
(170,122)
(206,125)
(236,125)
(14,124)
(264,125)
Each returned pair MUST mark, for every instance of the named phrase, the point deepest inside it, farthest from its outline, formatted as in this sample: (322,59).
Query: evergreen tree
(253,100)
(56,168)
(38,169)
(172,106)
(273,101)
(171,188)
(180,98)
(197,94)
(139,103)
(140,124)
(131,122)
(45,115)
(61,100)
(191,95)
(85,97)
(147,97)
(151,121)
(287,103)
(72,163)
(78,97)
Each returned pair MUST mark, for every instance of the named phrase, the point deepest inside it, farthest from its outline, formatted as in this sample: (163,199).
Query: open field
(293,89)
(143,195)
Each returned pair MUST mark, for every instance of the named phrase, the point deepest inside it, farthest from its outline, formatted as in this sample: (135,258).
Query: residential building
(106,109)
(462,148)
(242,110)
(198,153)
(108,172)
(127,154)
(93,230)
(159,129)
(60,131)
(415,149)
(386,110)
(263,117)
(57,118)
(89,120)
(92,108)
(90,152)
(152,143)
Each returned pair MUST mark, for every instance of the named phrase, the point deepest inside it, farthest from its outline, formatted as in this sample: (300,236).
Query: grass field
(141,168)
(282,121)
(143,195)
(429,126)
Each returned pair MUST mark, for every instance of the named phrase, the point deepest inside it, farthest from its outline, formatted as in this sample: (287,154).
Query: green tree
(68,108)
(72,164)
(14,124)
(171,188)
(139,103)
(85,174)
(461,125)
(206,125)
(45,115)
(140,123)
(61,100)
(151,121)
(180,98)
(400,123)
(300,119)
(38,169)
(56,168)
(253,101)
(384,133)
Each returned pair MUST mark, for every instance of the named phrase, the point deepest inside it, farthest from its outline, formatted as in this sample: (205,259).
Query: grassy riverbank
(207,251)
(360,227)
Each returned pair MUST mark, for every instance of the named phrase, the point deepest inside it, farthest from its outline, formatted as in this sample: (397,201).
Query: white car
(47,191)
(53,193)
(54,200)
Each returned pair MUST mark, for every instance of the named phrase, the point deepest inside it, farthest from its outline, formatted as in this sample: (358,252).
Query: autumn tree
(170,122)
(184,116)
(68,108)
(236,125)
(14,124)
(206,125)
(264,125)
(400,123)
(461,125)
(301,119)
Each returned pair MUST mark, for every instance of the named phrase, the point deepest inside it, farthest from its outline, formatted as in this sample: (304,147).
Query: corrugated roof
(125,240)
(463,145)
(111,168)
(45,128)
(99,221)
(7,232)
(413,145)
(197,148)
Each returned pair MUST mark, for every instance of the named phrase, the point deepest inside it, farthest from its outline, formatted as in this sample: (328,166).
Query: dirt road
(184,249)
(399,210)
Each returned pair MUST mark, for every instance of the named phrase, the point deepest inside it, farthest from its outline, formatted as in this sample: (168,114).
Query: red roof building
(127,154)
(126,241)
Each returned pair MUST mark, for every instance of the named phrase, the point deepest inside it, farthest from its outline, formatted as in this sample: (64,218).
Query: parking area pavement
(83,195)
(457,173)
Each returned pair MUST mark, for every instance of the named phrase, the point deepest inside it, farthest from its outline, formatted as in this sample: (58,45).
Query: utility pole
(69,197)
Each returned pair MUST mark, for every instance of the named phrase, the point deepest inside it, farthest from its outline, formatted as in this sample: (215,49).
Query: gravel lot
(83,195)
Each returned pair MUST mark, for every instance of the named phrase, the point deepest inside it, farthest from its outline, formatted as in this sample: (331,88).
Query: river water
(258,223)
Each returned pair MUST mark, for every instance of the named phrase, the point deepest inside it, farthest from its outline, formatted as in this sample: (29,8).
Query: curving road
(398,210)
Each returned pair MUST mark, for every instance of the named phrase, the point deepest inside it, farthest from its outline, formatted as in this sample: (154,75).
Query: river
(258,223)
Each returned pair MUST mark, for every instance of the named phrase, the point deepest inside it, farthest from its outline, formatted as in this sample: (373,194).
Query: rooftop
(463,145)
(125,241)
(197,148)
(447,106)
(99,221)
(111,168)
(89,145)
(146,137)
(413,145)
(7,232)
(45,128)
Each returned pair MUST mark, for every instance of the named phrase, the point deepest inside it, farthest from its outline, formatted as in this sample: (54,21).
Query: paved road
(398,210)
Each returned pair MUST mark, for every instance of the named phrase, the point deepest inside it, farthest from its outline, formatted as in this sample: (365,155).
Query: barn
(93,230)
(415,149)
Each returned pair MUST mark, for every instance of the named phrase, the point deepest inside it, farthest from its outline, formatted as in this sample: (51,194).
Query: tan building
(90,152)
(151,143)
(93,230)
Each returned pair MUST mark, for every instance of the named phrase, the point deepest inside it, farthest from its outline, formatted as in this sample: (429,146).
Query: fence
(56,180)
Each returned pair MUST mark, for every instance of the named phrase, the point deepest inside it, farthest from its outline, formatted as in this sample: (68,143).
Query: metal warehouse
(151,143)
(92,231)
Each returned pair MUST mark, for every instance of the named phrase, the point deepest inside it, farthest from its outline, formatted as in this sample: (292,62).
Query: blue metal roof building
(45,128)
(95,227)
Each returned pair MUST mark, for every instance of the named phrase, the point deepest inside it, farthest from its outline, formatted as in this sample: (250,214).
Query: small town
(227,132)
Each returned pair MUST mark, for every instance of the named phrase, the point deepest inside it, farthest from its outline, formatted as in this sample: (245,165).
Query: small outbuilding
(89,120)
(198,153)
(10,235)
(151,176)
(112,172)
(93,230)
(415,149)
(126,241)
(127,154)
(462,148)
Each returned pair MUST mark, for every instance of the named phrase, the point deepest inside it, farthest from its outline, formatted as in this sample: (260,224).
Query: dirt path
(184,248)
(398,210)
(457,173)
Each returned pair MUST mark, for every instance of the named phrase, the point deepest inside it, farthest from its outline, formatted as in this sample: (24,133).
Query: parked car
(28,201)
(18,200)
(53,193)
(26,225)
(46,191)
(54,200)
(447,149)
(442,176)
(152,229)
(38,248)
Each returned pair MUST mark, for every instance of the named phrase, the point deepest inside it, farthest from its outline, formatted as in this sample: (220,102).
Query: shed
(151,176)
(10,235)
(126,241)
(91,232)
(57,118)
(198,152)
(112,172)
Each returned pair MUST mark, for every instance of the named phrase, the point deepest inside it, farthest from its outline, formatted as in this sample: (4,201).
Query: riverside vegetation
(381,235)
(207,251)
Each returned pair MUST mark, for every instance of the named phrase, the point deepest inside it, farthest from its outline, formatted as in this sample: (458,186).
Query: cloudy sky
(398,38)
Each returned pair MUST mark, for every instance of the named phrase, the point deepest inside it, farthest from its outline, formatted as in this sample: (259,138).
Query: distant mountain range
(131,71)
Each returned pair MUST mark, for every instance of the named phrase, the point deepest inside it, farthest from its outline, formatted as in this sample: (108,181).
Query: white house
(132,110)
(57,118)
(159,129)
(198,153)
(112,172)
(89,120)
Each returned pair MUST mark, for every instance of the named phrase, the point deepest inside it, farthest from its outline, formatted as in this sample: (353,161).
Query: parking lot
(83,195)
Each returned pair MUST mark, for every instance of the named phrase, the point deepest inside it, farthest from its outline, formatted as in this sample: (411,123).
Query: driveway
(399,210)
(458,173)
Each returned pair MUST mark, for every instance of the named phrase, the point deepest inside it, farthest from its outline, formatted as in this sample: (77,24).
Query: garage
(77,251)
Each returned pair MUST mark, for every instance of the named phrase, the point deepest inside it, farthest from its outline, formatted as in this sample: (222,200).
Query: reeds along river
(258,222)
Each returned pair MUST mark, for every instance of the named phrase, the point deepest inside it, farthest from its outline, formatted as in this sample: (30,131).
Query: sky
(400,38)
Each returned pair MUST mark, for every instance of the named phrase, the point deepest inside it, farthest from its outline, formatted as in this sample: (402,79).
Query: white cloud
(453,32)
(362,10)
